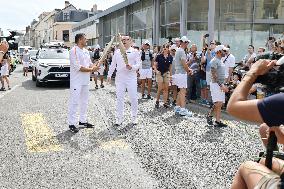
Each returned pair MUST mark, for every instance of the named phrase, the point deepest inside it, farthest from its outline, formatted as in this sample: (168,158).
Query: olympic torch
(122,50)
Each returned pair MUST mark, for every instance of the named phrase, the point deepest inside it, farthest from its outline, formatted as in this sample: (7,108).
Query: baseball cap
(177,39)
(173,47)
(220,48)
(184,39)
(146,42)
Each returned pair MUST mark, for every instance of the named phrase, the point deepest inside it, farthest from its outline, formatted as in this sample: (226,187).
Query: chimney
(95,8)
(67,3)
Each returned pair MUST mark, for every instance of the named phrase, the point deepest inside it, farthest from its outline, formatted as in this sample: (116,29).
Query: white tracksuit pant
(121,86)
(79,96)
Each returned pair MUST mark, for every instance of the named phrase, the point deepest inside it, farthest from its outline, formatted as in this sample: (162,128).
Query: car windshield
(54,54)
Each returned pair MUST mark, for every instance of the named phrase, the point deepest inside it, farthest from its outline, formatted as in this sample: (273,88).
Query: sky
(17,14)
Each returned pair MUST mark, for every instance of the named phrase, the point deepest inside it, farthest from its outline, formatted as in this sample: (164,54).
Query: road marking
(120,143)
(39,137)
(7,92)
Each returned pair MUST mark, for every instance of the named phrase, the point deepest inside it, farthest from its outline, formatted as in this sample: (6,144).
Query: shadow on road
(31,85)
(213,134)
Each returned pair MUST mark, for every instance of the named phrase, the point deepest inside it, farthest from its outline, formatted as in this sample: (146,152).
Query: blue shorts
(203,83)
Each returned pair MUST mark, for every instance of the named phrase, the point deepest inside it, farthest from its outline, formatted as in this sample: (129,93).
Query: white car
(52,64)
(33,54)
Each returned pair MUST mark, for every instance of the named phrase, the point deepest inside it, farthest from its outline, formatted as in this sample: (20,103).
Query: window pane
(236,10)
(172,11)
(197,10)
(107,27)
(260,34)
(162,13)
(263,31)
(120,24)
(138,37)
(269,9)
(65,35)
(169,31)
(113,26)
(139,20)
(149,18)
(130,19)
(173,31)
(149,35)
(238,36)
(195,31)
(146,3)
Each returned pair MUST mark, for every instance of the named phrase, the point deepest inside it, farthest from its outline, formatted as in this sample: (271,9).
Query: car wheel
(38,83)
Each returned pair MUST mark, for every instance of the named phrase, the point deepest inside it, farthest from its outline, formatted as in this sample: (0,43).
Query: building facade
(234,22)
(56,25)
(89,27)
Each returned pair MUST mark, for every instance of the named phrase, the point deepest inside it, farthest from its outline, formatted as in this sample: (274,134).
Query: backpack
(143,55)
(97,55)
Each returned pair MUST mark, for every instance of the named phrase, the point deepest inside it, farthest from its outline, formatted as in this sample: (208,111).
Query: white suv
(52,65)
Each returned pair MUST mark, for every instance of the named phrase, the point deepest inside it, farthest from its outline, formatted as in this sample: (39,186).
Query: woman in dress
(5,71)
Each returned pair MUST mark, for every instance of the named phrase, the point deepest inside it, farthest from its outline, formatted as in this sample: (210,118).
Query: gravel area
(162,151)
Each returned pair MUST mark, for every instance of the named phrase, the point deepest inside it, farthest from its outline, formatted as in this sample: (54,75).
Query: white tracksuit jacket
(79,84)
(125,79)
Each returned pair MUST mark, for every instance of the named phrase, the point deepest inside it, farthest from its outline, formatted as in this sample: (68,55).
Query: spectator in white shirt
(229,61)
(250,57)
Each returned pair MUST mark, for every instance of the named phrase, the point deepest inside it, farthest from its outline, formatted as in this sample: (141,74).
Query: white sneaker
(177,109)
(134,122)
(185,112)
(118,122)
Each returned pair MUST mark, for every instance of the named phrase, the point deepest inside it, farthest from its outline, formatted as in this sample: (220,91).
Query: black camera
(274,79)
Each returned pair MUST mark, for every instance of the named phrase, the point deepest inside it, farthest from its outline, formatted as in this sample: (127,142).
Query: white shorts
(4,70)
(100,71)
(216,93)
(146,73)
(173,81)
(180,80)
(26,64)
(208,78)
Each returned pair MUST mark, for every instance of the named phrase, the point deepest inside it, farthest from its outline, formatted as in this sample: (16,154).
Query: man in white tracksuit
(80,68)
(126,78)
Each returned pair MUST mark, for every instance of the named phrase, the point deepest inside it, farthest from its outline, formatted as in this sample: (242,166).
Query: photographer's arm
(1,56)
(3,49)
(238,104)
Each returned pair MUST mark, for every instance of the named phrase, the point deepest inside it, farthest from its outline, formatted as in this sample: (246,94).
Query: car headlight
(43,65)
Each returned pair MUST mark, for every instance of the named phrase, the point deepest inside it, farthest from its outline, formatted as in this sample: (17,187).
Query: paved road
(163,151)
